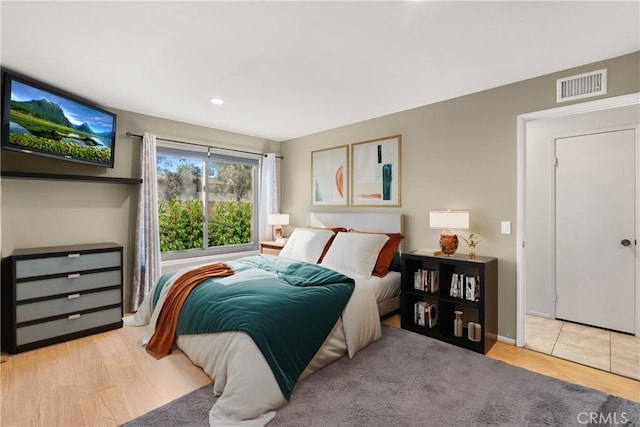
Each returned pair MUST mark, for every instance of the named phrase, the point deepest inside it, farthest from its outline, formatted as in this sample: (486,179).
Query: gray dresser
(55,294)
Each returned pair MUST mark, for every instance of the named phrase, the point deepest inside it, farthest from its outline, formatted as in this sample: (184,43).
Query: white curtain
(146,266)
(268,195)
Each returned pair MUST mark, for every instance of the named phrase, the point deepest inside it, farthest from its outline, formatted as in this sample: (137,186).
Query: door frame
(522,120)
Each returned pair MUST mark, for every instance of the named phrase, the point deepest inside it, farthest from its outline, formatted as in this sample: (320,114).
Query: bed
(249,388)
(387,289)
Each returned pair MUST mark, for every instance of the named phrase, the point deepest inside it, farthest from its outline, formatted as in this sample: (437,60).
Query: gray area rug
(406,379)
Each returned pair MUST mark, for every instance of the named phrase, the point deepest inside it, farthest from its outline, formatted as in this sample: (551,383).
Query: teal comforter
(287,307)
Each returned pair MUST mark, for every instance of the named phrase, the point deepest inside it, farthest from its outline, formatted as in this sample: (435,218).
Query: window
(207,204)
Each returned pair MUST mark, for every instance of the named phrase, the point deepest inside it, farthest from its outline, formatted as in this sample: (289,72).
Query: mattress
(383,287)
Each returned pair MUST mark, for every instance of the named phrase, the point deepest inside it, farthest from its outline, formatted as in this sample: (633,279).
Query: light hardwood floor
(100,380)
(106,379)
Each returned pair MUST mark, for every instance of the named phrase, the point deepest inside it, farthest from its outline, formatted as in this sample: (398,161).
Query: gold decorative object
(472,242)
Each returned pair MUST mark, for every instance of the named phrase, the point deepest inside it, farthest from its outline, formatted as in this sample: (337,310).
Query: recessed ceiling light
(217,101)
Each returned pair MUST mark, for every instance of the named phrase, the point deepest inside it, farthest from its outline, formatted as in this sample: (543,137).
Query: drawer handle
(73,276)
(74,316)
(73,296)
(73,255)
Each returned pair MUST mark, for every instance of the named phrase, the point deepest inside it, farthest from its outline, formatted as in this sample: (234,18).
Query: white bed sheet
(383,287)
(248,392)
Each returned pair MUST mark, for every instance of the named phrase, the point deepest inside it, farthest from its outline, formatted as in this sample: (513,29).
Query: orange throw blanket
(161,341)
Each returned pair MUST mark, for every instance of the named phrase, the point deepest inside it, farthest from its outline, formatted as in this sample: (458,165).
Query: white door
(595,229)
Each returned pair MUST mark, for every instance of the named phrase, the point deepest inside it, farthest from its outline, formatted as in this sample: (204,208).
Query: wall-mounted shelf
(66,177)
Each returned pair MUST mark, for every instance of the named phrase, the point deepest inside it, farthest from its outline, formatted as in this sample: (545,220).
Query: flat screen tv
(43,120)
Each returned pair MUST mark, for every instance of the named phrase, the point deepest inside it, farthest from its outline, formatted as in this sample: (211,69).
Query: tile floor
(600,348)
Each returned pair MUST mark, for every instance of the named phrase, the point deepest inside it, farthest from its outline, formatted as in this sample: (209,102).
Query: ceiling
(289,69)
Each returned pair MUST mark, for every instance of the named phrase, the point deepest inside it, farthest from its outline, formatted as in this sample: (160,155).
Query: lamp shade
(449,220)
(278,219)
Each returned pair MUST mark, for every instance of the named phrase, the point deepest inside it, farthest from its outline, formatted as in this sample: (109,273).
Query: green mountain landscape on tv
(41,125)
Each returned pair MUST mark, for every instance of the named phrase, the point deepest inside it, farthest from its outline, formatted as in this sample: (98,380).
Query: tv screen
(40,119)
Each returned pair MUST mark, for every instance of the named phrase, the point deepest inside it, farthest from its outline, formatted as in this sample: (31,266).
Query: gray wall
(457,154)
(40,213)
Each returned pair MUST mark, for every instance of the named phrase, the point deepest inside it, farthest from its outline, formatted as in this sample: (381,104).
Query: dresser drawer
(36,286)
(67,285)
(72,262)
(56,328)
(68,305)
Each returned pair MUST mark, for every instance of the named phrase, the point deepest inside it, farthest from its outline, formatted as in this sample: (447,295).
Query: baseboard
(538,314)
(506,340)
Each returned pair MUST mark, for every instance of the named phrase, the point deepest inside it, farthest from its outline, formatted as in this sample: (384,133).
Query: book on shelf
(419,312)
(434,280)
(454,289)
(432,319)
(426,280)
(465,287)
(470,289)
(417,280)
(425,314)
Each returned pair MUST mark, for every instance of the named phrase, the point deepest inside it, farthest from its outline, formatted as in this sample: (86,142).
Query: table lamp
(278,220)
(448,221)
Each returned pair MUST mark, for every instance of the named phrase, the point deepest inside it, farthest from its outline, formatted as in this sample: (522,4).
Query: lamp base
(278,232)
(448,243)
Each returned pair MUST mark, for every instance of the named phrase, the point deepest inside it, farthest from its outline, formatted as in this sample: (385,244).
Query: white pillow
(306,244)
(354,254)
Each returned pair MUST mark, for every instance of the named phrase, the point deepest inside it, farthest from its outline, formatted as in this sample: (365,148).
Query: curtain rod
(129,134)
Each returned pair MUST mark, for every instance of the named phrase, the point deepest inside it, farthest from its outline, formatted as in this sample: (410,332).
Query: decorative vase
(472,252)
(471,331)
(472,242)
(458,326)
(448,243)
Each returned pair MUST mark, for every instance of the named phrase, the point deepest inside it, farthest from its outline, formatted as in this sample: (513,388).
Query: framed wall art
(376,170)
(329,176)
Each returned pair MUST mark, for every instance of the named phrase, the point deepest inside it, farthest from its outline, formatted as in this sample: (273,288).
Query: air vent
(582,86)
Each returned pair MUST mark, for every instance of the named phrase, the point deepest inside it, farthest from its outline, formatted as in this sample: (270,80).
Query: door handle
(625,242)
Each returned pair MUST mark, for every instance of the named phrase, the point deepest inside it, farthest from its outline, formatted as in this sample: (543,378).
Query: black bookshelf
(484,311)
